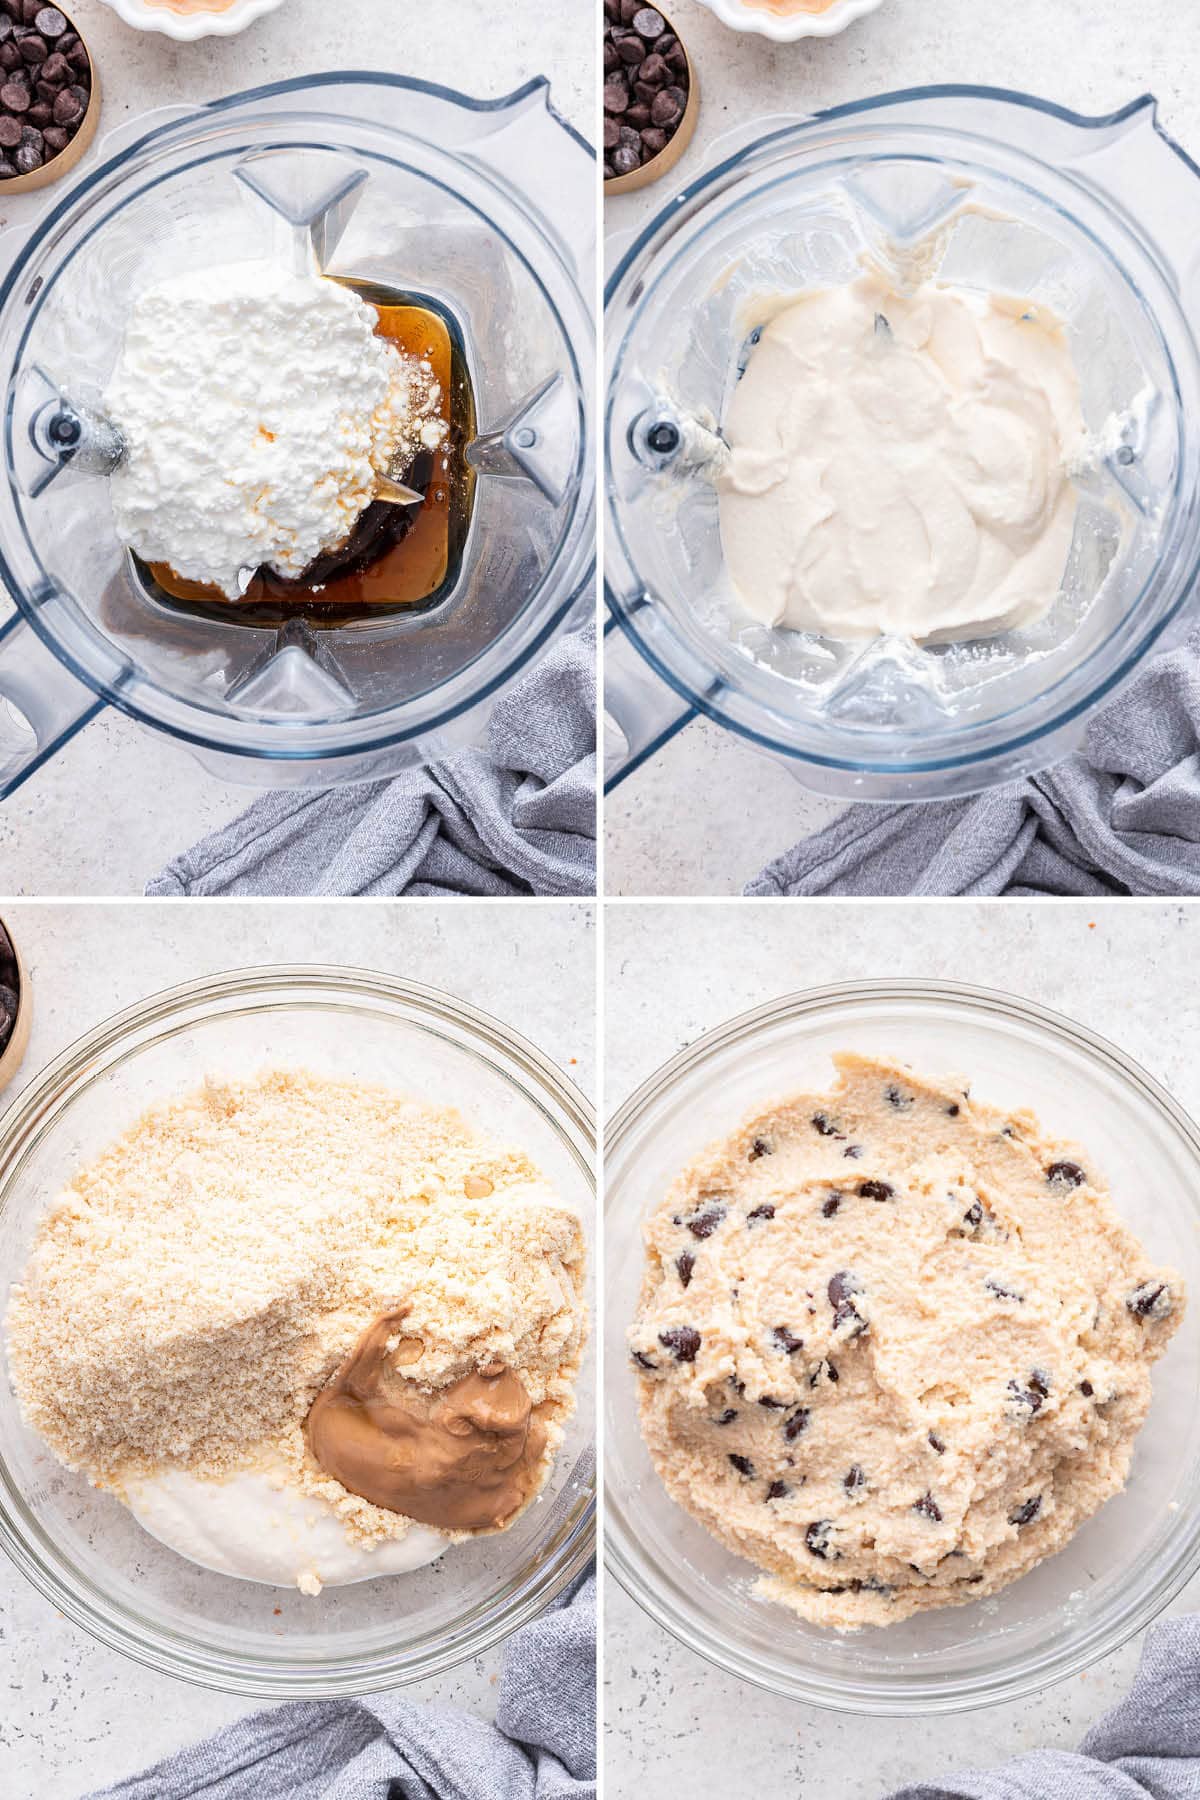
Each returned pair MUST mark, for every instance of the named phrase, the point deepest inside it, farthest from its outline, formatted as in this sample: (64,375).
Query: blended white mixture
(261,1529)
(258,410)
(901,463)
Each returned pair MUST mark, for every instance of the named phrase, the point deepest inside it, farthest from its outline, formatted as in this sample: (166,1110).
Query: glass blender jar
(479,210)
(989,190)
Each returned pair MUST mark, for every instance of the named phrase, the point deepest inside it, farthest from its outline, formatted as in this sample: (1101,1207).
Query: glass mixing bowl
(374,179)
(991,191)
(82,1549)
(1126,1563)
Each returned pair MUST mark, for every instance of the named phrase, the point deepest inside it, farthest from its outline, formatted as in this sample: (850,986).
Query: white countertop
(76,1716)
(706,814)
(118,802)
(676,1725)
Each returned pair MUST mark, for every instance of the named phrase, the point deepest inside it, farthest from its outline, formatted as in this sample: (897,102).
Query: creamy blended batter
(901,464)
(894,1346)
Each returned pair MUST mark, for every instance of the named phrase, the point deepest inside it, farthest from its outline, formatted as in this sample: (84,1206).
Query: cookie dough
(894,1346)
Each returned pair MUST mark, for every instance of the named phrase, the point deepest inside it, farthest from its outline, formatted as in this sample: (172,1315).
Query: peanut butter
(463,1458)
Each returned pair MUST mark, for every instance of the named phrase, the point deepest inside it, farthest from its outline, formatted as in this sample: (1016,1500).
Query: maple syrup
(397,558)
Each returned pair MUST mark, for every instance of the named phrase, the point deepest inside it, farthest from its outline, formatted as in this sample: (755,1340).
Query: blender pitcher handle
(641,713)
(42,705)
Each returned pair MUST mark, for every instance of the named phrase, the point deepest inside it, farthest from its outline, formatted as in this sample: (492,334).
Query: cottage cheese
(261,1528)
(902,463)
(258,409)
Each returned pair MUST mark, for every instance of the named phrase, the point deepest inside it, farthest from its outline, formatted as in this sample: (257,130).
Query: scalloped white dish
(789,28)
(186,27)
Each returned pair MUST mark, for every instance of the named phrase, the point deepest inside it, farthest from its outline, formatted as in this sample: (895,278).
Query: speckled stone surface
(111,808)
(75,1715)
(673,973)
(705,815)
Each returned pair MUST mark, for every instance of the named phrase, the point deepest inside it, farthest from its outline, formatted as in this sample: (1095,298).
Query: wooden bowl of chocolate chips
(651,97)
(16,1007)
(49,95)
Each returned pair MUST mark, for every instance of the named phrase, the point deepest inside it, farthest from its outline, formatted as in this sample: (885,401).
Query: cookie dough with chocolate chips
(894,1346)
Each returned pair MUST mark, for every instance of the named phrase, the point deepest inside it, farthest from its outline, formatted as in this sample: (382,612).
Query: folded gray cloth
(1121,818)
(520,819)
(1147,1749)
(542,1746)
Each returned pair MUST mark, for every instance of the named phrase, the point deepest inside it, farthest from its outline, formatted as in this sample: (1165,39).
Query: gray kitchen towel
(1148,1748)
(1123,817)
(542,1746)
(518,819)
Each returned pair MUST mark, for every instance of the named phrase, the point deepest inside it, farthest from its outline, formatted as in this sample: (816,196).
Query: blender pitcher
(987,190)
(481,210)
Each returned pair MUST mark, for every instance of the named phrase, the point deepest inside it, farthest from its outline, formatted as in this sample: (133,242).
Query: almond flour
(200,1281)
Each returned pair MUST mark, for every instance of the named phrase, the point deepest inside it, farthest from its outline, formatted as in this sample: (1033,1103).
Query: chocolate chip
(67,110)
(787,1340)
(682,1341)
(825,1125)
(817,1538)
(616,93)
(50,22)
(1026,1514)
(853,1150)
(936,1443)
(778,1490)
(10,57)
(973,1217)
(56,137)
(705,1223)
(928,1508)
(645,88)
(16,97)
(612,132)
(823,1368)
(34,49)
(830,1206)
(843,1291)
(876,1190)
(6,28)
(10,133)
(953,1109)
(727,1417)
(77,56)
(897,1098)
(684,1265)
(742,1464)
(1150,1301)
(769,1401)
(28,158)
(1086,1389)
(760,1146)
(760,1212)
(854,1478)
(1065,1176)
(796,1424)
(1001,1292)
(642,1360)
(1032,1395)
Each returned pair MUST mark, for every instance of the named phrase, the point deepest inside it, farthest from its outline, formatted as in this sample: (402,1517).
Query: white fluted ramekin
(789,28)
(186,27)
